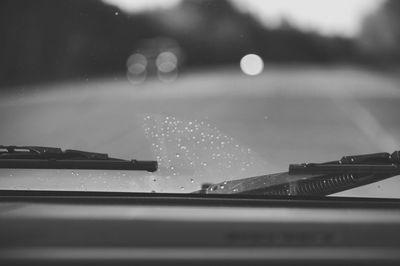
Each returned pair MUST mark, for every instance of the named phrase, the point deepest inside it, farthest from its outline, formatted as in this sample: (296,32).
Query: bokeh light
(166,61)
(252,64)
(136,68)
(167,66)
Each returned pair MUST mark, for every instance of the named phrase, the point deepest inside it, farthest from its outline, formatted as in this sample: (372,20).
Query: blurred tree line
(47,40)
(379,39)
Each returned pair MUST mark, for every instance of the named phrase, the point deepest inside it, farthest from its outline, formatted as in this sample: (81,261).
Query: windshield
(213,91)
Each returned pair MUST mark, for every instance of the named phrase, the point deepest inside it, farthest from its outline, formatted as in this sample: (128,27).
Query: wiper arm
(317,179)
(34,157)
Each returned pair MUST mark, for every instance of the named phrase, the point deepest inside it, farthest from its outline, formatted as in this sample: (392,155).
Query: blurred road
(286,115)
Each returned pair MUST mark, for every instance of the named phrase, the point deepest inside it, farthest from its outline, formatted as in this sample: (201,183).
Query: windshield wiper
(317,179)
(34,157)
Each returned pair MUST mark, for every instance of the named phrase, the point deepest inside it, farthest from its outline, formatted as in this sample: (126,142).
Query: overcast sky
(326,16)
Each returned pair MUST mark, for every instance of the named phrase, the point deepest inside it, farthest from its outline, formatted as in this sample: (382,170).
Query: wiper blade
(376,163)
(317,179)
(35,157)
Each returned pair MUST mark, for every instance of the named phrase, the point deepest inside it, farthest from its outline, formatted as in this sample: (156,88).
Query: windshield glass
(213,91)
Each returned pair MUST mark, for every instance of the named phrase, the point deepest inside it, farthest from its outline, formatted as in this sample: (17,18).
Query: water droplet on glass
(182,188)
(192,180)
